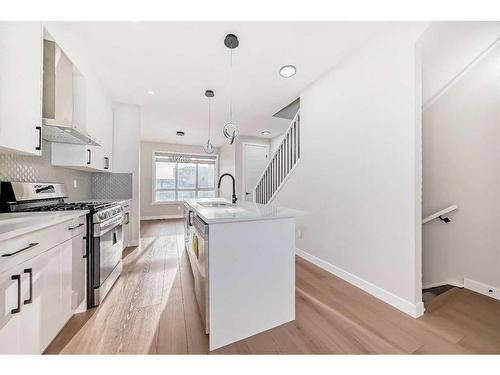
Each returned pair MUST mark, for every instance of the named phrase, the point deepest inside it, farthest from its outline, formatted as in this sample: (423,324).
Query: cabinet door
(9,319)
(99,118)
(20,87)
(80,157)
(51,294)
(31,326)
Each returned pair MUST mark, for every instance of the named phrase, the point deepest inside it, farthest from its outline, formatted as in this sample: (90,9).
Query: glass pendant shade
(230,131)
(209,147)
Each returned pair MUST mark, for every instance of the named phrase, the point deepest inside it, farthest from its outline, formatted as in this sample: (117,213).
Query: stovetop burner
(93,206)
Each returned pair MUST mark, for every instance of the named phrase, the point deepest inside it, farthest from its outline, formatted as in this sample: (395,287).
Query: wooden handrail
(439,213)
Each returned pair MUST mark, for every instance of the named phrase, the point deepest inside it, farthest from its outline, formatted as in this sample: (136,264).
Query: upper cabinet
(44,95)
(89,118)
(21,51)
(99,122)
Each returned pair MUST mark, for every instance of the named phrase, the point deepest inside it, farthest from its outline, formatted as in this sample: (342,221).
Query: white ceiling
(180,60)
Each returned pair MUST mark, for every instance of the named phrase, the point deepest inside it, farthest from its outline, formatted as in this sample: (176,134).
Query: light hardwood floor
(151,309)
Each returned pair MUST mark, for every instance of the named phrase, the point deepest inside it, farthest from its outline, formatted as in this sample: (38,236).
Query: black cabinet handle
(18,251)
(39,129)
(30,272)
(106,162)
(89,156)
(76,226)
(189,218)
(128,218)
(18,308)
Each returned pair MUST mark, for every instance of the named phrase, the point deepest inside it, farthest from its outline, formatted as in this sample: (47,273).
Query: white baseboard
(481,288)
(413,309)
(442,283)
(434,285)
(161,217)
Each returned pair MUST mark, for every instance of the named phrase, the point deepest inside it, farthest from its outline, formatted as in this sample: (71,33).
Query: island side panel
(251,278)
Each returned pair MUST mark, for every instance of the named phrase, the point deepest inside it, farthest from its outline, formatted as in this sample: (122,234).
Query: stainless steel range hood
(58,124)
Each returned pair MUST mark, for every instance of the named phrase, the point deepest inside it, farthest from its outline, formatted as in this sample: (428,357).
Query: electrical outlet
(75,184)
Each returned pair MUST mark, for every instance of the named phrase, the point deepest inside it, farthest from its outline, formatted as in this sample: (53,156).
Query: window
(180,176)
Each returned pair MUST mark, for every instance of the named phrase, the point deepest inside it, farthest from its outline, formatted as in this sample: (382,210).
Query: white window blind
(180,176)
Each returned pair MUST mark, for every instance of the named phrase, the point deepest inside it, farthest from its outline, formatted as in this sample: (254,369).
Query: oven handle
(106,226)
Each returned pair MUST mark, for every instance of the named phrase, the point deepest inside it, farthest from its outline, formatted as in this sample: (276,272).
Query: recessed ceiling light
(287,71)
(180,134)
(151,92)
(265,132)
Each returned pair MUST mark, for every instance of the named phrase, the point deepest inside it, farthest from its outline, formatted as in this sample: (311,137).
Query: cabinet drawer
(30,245)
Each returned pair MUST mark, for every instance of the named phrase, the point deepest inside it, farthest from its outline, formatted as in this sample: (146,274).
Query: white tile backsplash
(38,169)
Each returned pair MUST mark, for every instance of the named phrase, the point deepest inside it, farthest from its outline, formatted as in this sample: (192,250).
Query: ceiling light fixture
(180,134)
(231,130)
(265,132)
(151,92)
(288,71)
(209,147)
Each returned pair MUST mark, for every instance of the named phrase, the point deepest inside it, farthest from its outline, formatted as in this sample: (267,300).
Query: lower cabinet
(35,301)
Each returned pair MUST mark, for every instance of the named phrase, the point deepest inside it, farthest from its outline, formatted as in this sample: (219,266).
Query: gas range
(104,238)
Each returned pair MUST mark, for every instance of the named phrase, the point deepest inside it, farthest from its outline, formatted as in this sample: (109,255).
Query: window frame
(176,189)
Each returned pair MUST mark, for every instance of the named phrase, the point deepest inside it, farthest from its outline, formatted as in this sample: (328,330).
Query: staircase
(281,164)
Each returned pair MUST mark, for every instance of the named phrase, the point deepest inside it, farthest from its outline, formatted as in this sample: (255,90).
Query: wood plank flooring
(152,309)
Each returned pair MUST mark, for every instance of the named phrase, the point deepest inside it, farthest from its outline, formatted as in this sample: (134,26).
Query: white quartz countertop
(19,223)
(118,201)
(241,211)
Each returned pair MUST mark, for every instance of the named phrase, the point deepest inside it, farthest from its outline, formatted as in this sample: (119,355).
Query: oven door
(108,241)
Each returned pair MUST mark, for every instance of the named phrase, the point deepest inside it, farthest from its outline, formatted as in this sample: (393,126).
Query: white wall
(127,156)
(357,178)
(448,47)
(149,210)
(461,166)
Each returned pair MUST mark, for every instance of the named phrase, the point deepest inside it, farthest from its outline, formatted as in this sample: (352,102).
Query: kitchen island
(243,261)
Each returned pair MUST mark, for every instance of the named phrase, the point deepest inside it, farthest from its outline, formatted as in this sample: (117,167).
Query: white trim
(413,309)
(161,217)
(481,288)
(442,283)
(243,179)
(453,207)
(434,285)
(153,175)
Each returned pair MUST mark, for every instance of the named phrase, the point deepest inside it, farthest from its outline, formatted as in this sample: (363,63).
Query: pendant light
(231,130)
(209,147)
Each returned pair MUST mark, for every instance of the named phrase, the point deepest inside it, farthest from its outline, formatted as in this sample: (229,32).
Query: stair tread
(440,300)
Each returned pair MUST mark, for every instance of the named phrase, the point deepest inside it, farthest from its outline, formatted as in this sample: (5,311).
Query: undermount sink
(216,204)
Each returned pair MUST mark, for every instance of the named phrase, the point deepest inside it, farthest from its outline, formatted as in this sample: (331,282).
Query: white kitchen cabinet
(81,157)
(21,52)
(37,292)
(28,310)
(32,287)
(56,292)
(99,123)
(9,319)
(85,157)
